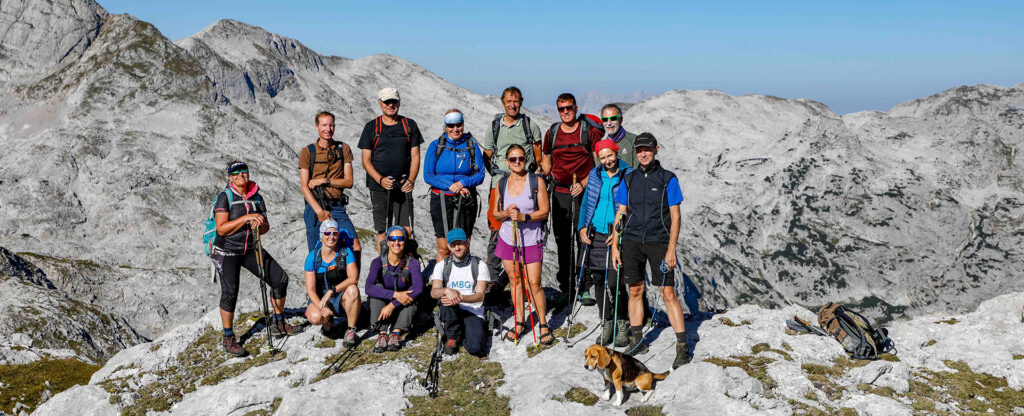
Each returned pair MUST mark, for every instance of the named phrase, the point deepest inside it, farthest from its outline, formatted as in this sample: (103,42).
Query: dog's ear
(603,357)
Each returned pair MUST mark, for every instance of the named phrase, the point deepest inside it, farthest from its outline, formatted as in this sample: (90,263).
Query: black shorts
(467,214)
(401,208)
(635,256)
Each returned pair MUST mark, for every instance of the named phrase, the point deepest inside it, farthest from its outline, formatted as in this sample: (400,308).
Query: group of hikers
(612,208)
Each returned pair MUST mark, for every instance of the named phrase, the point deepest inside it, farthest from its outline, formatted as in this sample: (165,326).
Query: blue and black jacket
(593,192)
(454,163)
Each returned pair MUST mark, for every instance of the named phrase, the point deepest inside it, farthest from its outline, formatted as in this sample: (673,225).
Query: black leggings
(597,280)
(230,268)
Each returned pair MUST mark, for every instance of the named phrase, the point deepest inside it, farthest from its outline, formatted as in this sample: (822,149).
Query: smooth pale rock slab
(90,400)
(875,405)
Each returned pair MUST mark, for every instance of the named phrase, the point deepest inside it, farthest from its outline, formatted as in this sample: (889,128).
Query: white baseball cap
(388,94)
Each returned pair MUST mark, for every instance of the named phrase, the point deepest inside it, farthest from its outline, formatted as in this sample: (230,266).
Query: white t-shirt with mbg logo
(461,279)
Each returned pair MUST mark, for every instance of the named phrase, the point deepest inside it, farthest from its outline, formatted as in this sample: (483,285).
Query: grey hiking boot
(382,343)
(636,345)
(606,333)
(231,346)
(394,342)
(281,328)
(622,335)
(351,339)
(682,355)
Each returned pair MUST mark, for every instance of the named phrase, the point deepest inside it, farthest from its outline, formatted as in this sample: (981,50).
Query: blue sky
(851,56)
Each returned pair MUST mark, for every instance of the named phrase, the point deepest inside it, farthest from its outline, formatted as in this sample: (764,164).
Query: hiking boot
(586,300)
(382,343)
(394,341)
(622,335)
(606,333)
(350,339)
(281,328)
(231,346)
(636,345)
(450,348)
(682,355)
(327,327)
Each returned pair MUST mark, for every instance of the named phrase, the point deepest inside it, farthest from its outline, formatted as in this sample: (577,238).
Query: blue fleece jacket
(453,166)
(593,192)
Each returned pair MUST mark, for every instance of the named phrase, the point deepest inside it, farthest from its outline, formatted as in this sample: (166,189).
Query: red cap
(606,144)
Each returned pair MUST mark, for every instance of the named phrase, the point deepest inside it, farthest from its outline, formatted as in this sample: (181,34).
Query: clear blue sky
(851,56)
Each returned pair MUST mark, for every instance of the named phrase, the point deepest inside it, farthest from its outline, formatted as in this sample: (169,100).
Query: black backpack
(531,161)
(379,125)
(531,179)
(442,145)
(586,123)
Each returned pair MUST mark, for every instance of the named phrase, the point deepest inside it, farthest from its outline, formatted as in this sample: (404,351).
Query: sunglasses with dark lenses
(239,172)
(612,118)
(332,234)
(566,108)
(391,102)
(396,238)
(453,125)
(517,159)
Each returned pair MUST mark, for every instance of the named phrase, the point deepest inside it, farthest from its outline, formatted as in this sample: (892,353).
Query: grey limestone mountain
(114,138)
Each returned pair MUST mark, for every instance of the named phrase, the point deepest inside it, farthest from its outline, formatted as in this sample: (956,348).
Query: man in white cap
(391,159)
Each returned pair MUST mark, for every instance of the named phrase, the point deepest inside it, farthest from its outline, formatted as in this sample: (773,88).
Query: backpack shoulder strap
(441,145)
(474,266)
(534,184)
(376,132)
(502,184)
(526,129)
(312,158)
(446,271)
(405,127)
(495,125)
(585,132)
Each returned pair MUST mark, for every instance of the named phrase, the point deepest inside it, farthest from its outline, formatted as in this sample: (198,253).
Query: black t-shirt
(242,241)
(392,155)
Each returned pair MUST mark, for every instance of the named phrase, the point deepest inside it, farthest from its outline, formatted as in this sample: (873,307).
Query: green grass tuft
(581,395)
(646,411)
(467,386)
(266,412)
(24,383)
(950,321)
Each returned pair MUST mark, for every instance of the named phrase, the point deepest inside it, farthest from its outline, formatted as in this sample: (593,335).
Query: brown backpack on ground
(854,332)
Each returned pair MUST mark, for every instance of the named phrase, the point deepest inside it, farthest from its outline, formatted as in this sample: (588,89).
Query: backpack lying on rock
(854,332)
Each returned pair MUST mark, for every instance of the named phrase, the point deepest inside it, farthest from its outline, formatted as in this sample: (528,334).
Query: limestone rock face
(36,36)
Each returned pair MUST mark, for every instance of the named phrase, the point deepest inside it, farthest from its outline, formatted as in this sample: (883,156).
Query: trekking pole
(618,275)
(412,212)
(572,304)
(516,306)
(434,369)
(444,212)
(604,300)
(575,291)
(263,290)
(457,220)
(520,249)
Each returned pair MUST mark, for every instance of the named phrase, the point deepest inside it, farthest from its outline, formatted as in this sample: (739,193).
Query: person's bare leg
(442,249)
(674,309)
(517,292)
(537,292)
(227,318)
(636,304)
(350,301)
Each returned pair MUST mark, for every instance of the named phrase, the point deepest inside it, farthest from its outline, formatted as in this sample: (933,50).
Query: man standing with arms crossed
(568,154)
(512,127)
(649,209)
(325,169)
(391,152)
(611,118)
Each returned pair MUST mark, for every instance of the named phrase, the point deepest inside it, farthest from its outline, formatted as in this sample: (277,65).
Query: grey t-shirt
(506,137)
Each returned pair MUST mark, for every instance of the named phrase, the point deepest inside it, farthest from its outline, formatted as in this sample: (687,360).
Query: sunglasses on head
(517,159)
(396,238)
(332,234)
(239,171)
(453,125)
(566,108)
(612,118)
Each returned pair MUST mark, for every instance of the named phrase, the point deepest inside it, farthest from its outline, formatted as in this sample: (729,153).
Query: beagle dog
(621,371)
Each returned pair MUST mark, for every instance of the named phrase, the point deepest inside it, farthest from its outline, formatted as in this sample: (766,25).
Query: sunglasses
(453,125)
(332,233)
(517,159)
(566,108)
(612,118)
(391,102)
(239,172)
(396,238)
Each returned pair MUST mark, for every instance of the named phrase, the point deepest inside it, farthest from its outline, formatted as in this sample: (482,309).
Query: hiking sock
(681,337)
(637,330)
(229,332)
(278,317)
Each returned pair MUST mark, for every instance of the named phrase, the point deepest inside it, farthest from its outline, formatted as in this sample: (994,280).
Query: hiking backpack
(585,121)
(318,193)
(854,332)
(380,125)
(531,156)
(531,179)
(210,231)
(442,145)
(446,271)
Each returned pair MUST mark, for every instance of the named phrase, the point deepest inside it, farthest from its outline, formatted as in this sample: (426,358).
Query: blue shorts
(339,214)
(334,303)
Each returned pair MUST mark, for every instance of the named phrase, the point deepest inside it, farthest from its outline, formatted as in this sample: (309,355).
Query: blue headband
(395,228)
(453,118)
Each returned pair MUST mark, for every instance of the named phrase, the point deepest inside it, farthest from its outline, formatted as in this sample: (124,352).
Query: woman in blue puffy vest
(453,167)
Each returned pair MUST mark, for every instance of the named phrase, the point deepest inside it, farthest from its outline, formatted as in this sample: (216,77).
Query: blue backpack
(210,233)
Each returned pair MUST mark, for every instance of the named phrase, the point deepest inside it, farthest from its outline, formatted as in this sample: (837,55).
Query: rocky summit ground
(744,362)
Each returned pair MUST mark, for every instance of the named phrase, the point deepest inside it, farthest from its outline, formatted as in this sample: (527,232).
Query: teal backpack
(210,233)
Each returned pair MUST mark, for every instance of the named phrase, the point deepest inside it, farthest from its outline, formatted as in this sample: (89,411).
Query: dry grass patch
(532,350)
(467,386)
(581,395)
(24,383)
